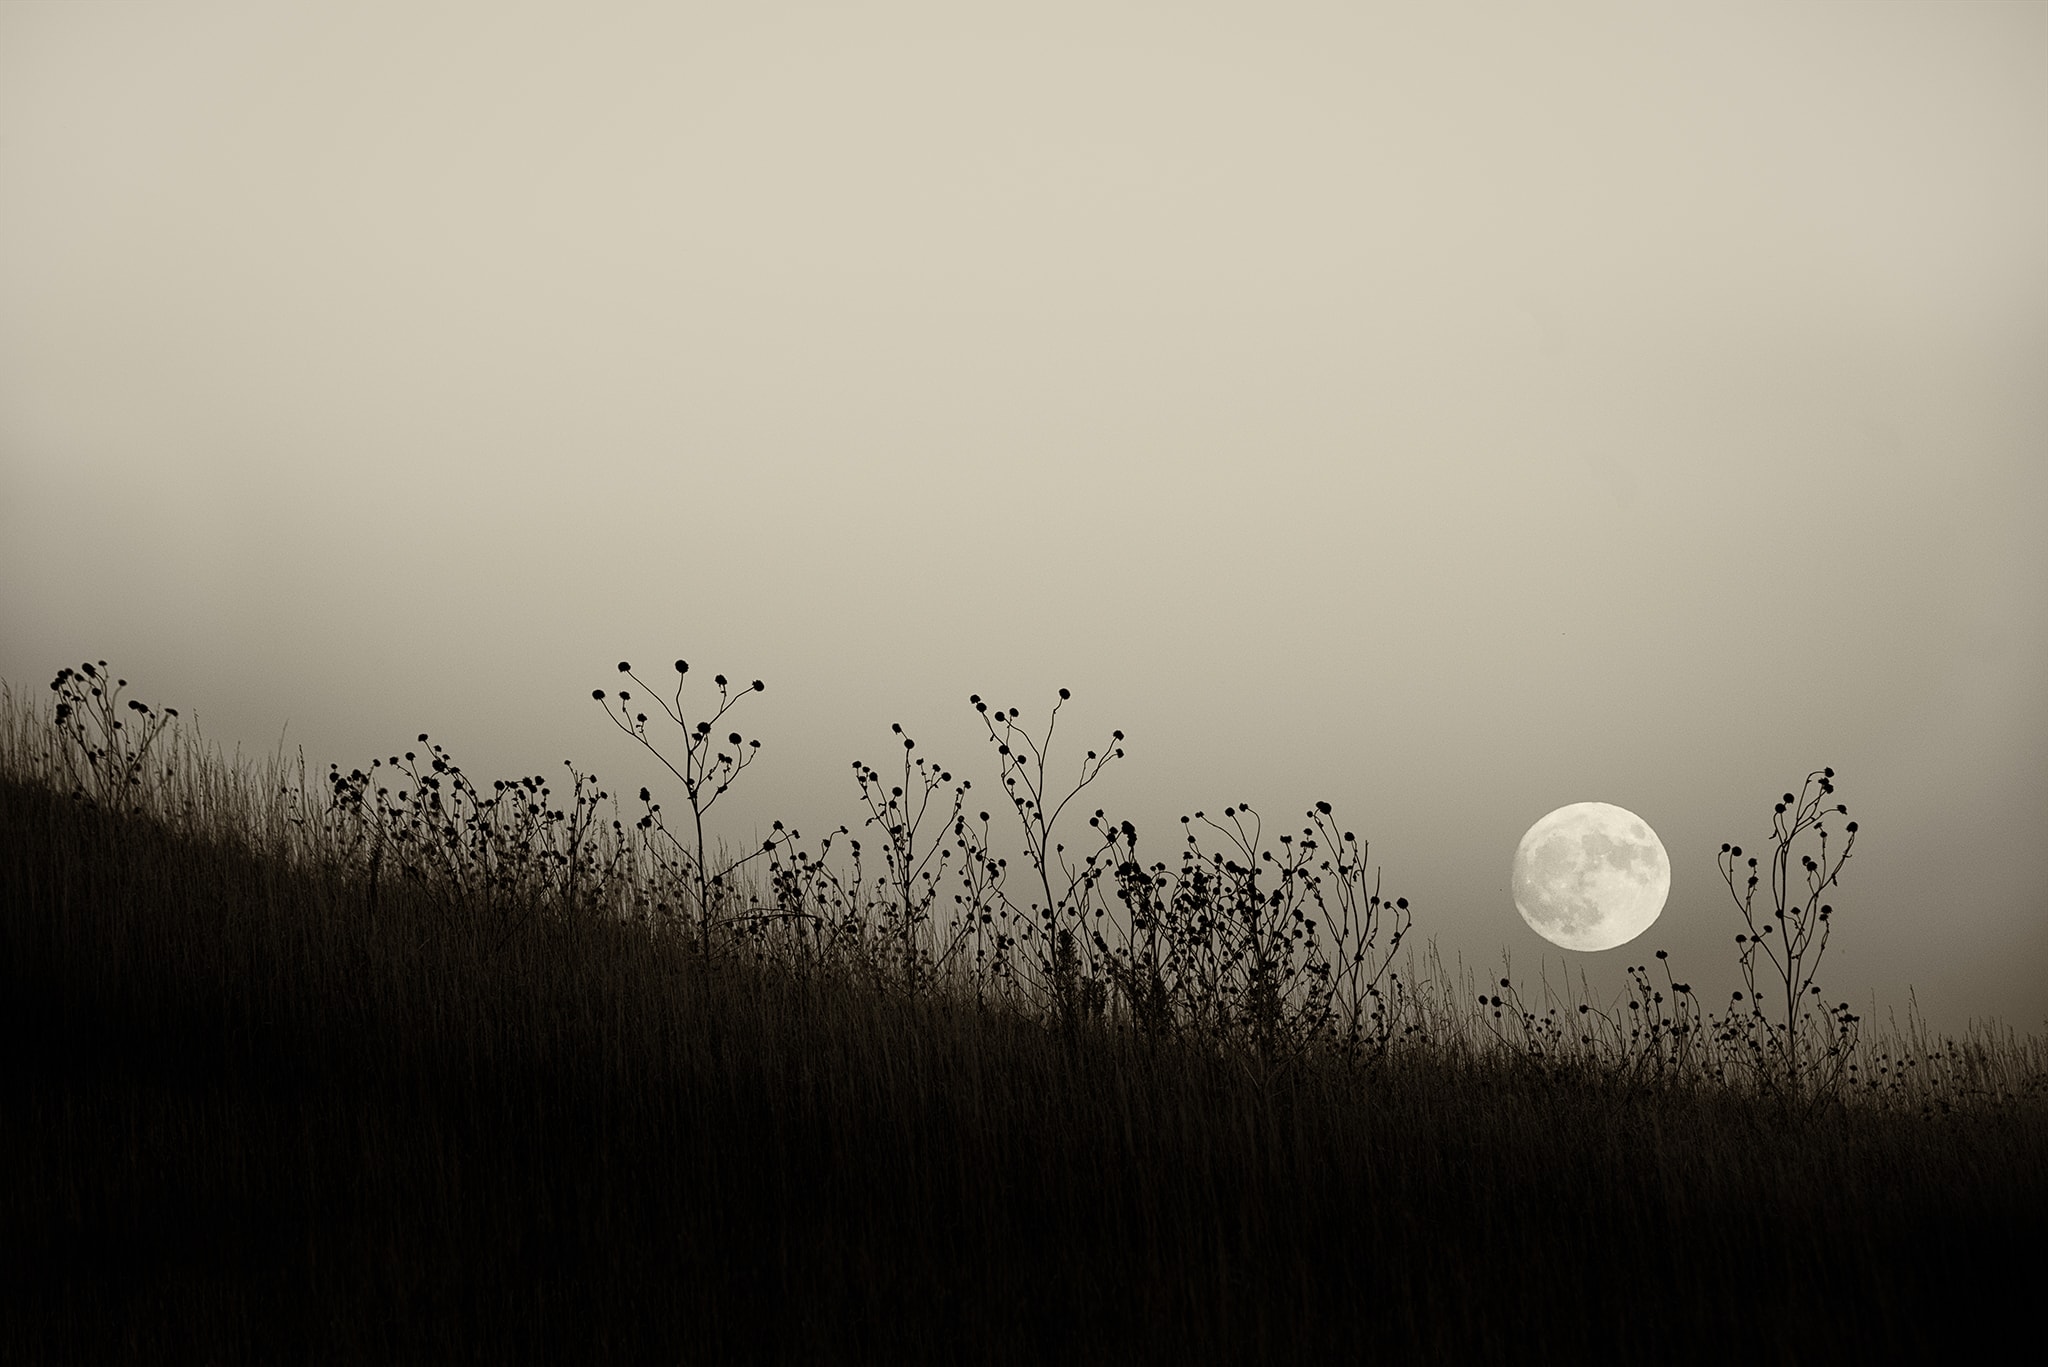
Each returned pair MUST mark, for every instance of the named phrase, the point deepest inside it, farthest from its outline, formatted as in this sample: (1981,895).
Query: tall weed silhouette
(1790,1040)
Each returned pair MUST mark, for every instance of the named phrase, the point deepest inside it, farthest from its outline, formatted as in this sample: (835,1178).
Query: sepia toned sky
(1450,412)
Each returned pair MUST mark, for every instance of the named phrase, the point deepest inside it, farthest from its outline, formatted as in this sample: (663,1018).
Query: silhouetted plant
(911,878)
(1055,930)
(1284,965)
(706,772)
(981,917)
(105,743)
(1666,1026)
(510,852)
(1783,946)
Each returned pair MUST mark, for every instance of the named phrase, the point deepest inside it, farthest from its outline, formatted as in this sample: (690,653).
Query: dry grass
(289,1082)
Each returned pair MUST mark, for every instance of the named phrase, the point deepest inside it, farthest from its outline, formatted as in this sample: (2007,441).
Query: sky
(1448,412)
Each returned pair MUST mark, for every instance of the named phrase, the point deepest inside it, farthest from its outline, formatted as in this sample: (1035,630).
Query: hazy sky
(1449,412)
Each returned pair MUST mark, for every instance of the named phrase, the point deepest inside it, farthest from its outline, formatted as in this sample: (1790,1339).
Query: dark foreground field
(248,1117)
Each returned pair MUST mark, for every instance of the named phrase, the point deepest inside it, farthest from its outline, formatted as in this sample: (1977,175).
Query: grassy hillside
(264,1103)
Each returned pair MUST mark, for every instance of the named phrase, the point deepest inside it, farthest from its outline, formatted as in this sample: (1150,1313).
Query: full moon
(1590,876)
